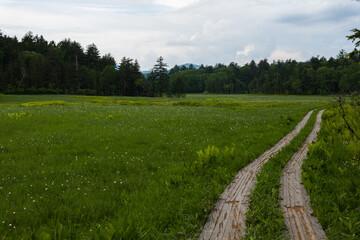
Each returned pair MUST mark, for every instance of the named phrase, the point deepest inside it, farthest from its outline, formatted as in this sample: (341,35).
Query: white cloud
(213,30)
(279,54)
(175,3)
(248,49)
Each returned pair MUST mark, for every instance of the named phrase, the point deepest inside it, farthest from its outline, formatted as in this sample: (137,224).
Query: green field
(76,167)
(249,98)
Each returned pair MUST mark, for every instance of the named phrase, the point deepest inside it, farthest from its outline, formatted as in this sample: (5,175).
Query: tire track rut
(228,218)
(294,201)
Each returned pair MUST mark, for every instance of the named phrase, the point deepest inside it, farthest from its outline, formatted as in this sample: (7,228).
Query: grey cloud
(334,13)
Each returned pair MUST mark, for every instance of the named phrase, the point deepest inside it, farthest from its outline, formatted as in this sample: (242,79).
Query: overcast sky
(190,31)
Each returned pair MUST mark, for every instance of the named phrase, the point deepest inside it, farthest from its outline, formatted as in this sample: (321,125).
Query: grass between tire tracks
(264,218)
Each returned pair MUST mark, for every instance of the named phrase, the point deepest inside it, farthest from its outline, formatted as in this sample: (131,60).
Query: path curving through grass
(295,202)
(228,218)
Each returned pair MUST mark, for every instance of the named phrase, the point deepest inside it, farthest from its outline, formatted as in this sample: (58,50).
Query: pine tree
(93,56)
(160,77)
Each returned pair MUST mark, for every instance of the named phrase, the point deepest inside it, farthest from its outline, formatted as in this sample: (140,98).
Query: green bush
(211,158)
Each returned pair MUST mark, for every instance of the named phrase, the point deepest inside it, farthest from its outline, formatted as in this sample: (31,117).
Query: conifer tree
(160,77)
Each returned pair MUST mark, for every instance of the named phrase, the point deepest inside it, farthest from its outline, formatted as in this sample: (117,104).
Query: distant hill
(187,65)
(146,72)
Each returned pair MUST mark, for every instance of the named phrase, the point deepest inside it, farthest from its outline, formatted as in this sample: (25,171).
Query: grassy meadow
(75,167)
(331,173)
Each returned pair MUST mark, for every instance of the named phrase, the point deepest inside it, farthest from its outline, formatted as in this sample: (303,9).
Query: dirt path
(295,202)
(227,220)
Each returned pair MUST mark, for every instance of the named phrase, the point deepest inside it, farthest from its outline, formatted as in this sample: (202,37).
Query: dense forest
(35,66)
(316,76)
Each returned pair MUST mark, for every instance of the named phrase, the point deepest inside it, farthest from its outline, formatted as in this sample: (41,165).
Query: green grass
(86,168)
(264,218)
(15,99)
(10,99)
(260,98)
(331,175)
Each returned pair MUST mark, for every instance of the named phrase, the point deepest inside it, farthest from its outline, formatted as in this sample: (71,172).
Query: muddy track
(227,220)
(294,200)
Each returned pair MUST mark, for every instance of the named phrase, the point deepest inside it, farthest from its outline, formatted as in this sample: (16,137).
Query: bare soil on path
(295,202)
(228,218)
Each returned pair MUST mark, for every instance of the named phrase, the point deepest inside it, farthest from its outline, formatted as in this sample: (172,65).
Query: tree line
(33,65)
(315,76)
